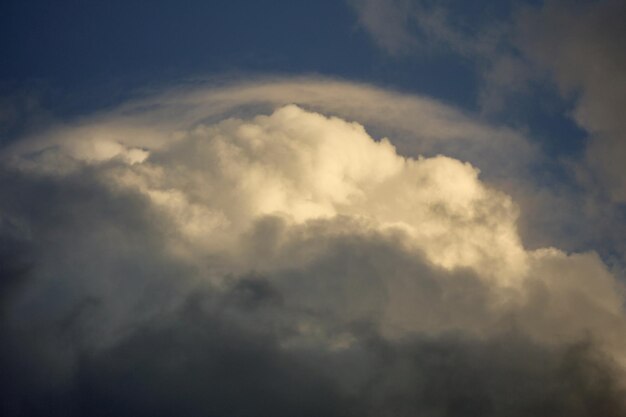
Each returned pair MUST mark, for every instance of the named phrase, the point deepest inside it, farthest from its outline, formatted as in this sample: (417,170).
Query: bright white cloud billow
(302,166)
(256,232)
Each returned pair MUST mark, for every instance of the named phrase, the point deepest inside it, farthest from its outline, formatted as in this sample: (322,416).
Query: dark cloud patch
(505,376)
(254,292)
(14,260)
(80,238)
(203,366)
(197,362)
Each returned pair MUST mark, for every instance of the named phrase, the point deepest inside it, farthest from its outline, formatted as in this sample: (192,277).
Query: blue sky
(82,55)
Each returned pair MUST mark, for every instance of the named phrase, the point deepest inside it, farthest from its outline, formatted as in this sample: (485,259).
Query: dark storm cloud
(199,362)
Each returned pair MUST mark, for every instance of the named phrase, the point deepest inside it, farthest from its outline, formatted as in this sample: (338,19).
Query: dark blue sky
(75,42)
(77,56)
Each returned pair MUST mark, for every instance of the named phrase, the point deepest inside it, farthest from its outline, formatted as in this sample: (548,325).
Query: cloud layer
(221,253)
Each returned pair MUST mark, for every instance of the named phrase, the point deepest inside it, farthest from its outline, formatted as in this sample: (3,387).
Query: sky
(302,208)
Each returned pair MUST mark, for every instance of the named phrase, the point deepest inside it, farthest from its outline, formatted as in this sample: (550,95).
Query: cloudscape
(352,208)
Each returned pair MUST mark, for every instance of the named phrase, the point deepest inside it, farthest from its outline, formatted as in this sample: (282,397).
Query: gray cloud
(164,259)
(581,45)
(387,23)
(404,27)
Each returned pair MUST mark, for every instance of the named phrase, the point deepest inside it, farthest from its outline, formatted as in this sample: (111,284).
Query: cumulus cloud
(221,253)
(519,53)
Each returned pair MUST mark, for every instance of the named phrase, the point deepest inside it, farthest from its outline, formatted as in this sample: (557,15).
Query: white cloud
(227,205)
(272,193)
(303,166)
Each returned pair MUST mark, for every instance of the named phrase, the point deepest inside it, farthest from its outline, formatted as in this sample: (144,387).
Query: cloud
(220,252)
(519,53)
(404,27)
(581,45)
(578,45)
(419,125)
(387,23)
